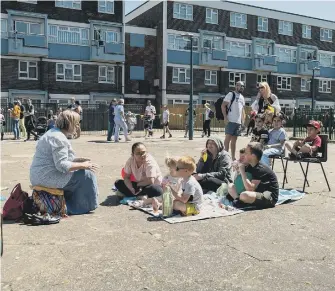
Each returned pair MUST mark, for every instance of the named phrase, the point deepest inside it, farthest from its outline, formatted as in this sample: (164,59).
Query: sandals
(35,219)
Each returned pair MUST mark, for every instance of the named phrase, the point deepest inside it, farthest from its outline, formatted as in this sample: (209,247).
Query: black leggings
(30,131)
(150,190)
(207,127)
(210,184)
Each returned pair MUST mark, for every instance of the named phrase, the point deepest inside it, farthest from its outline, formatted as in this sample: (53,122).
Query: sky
(319,9)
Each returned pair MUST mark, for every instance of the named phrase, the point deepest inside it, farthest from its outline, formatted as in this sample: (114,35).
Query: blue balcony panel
(98,53)
(305,69)
(181,57)
(4,46)
(114,48)
(17,47)
(287,68)
(239,63)
(69,52)
(327,72)
(137,40)
(265,63)
(214,58)
(35,41)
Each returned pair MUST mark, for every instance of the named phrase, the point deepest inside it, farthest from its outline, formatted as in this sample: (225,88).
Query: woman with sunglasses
(145,170)
(265,98)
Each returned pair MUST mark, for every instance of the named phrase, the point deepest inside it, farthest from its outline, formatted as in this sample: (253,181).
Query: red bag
(13,208)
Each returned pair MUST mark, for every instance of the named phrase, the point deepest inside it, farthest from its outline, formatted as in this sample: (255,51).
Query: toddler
(190,201)
(260,133)
(277,138)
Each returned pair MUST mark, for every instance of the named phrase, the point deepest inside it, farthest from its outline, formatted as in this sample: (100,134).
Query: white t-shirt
(150,110)
(235,113)
(166,116)
(207,114)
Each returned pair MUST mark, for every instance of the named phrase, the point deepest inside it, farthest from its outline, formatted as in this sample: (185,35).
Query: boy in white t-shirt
(165,120)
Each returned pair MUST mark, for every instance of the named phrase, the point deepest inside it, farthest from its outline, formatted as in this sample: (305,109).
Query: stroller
(131,121)
(148,125)
(41,126)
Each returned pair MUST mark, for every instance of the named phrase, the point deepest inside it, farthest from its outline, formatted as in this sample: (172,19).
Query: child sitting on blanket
(172,180)
(191,200)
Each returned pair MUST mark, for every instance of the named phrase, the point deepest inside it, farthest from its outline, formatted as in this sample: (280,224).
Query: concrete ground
(290,247)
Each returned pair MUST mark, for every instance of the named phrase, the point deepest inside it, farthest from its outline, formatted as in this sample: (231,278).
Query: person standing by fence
(2,124)
(78,109)
(30,120)
(166,119)
(150,110)
(111,115)
(21,121)
(207,121)
(120,121)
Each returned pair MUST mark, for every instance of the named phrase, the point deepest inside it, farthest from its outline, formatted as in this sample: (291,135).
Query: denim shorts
(233,129)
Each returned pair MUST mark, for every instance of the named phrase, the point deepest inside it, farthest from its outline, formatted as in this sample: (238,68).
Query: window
(68,72)
(326,34)
(68,35)
(181,75)
(106,74)
(108,36)
(305,84)
(325,86)
(235,77)
(263,49)
(238,49)
(283,83)
(327,60)
(28,70)
(28,1)
(211,78)
(212,42)
(238,20)
(182,11)
(262,24)
(106,6)
(211,15)
(4,28)
(285,28)
(287,55)
(27,27)
(306,31)
(182,43)
(262,78)
(74,4)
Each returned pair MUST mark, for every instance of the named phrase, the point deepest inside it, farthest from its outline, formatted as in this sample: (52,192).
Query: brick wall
(150,18)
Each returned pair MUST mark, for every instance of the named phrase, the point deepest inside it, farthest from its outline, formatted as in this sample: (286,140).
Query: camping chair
(323,150)
(278,157)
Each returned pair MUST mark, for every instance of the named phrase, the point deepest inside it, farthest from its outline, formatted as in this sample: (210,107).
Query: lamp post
(190,105)
(314,68)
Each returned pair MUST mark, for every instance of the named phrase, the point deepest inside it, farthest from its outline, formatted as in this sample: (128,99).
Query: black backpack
(218,105)
(211,114)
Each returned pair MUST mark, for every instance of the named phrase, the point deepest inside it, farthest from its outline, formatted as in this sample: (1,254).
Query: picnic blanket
(211,208)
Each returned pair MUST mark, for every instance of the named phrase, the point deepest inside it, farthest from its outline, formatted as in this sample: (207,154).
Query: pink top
(149,169)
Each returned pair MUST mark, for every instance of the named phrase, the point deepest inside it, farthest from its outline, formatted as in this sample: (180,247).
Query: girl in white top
(264,98)
(207,122)
(166,119)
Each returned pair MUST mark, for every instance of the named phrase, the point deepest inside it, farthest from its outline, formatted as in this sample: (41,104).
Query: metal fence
(302,116)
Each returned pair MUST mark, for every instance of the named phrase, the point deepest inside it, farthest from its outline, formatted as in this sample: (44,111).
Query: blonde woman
(55,166)
(265,98)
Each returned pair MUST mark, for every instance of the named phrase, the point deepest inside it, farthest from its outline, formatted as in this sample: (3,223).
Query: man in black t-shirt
(260,133)
(263,190)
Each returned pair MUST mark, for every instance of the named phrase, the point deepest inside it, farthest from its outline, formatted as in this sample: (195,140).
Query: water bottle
(167,202)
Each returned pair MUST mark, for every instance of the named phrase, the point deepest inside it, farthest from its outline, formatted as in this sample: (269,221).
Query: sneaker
(185,136)
(170,135)
(163,136)
(203,135)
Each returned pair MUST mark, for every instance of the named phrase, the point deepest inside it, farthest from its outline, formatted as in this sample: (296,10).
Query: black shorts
(264,200)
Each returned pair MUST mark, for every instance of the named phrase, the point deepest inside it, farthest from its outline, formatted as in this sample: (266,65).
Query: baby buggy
(131,121)
(41,126)
(148,125)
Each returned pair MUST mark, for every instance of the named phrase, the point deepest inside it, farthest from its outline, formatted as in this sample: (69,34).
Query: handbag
(13,208)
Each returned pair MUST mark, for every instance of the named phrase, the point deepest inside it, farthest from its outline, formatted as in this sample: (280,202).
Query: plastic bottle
(167,202)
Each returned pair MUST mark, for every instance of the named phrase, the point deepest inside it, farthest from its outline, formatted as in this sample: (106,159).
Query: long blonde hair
(266,89)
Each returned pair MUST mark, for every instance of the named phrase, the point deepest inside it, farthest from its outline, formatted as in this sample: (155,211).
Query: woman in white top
(207,122)
(265,98)
(166,119)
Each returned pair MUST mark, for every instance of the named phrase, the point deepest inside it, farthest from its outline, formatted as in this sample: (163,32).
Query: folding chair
(278,157)
(323,150)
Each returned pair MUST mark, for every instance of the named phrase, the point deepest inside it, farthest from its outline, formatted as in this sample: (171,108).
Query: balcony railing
(265,63)
(214,57)
(101,50)
(33,45)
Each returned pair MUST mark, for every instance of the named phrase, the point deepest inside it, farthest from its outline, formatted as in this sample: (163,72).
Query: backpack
(218,107)
(211,114)
(13,208)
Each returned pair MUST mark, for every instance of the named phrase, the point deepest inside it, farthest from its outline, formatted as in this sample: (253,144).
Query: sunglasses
(178,169)
(260,88)
(140,153)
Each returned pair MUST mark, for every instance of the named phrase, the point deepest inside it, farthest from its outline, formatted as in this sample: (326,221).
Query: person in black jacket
(214,166)
(30,120)
(111,120)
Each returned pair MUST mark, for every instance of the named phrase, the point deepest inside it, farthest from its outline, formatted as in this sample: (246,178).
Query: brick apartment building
(53,50)
(231,42)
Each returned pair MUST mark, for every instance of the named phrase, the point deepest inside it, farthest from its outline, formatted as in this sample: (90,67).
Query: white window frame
(102,6)
(104,78)
(75,4)
(262,78)
(54,35)
(232,44)
(235,77)
(176,72)
(4,28)
(306,31)
(216,42)
(305,84)
(291,52)
(175,39)
(29,27)
(281,81)
(236,17)
(324,83)
(212,15)
(263,24)
(329,33)
(285,24)
(209,74)
(104,33)
(177,7)
(67,66)
(30,64)
(328,58)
